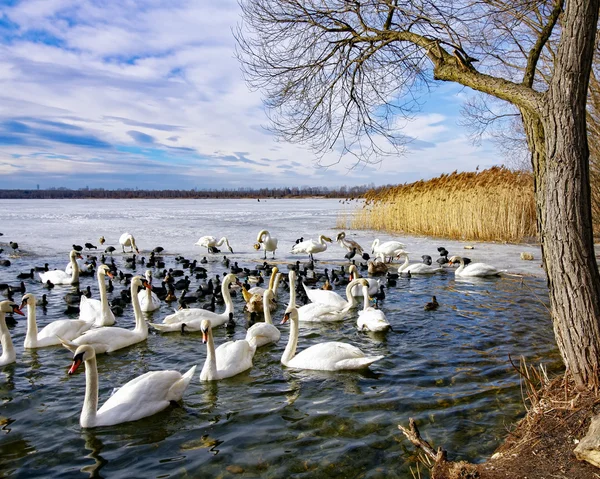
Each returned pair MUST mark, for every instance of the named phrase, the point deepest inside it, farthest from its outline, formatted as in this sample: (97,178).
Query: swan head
(105,271)
(137,281)
(454,259)
(327,238)
(205,327)
(10,307)
(83,353)
(291,314)
(75,255)
(27,300)
(340,236)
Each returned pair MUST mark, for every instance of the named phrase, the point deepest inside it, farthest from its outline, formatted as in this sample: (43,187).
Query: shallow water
(448,368)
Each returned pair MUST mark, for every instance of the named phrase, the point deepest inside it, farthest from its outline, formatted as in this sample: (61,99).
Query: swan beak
(17,309)
(204,337)
(77,360)
(110,275)
(286,318)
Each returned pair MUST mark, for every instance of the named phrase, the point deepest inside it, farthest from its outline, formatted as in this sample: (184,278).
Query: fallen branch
(414,436)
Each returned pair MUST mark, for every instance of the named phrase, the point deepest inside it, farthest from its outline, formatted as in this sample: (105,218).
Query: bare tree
(337,73)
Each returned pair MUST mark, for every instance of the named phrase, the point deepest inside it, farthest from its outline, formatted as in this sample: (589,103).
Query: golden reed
(491,205)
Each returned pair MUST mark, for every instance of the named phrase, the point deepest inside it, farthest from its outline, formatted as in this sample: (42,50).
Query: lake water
(448,369)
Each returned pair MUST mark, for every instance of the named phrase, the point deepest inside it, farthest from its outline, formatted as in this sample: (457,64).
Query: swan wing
(108,339)
(56,276)
(372,320)
(326,297)
(233,357)
(331,356)
(148,304)
(479,269)
(319,312)
(262,333)
(65,328)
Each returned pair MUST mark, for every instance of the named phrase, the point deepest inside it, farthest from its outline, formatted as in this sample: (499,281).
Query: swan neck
(404,265)
(365,298)
(105,308)
(227,296)
(276,285)
(90,402)
(8,350)
(75,273)
(461,267)
(267,309)
(211,357)
(292,292)
(290,349)
(32,330)
(140,323)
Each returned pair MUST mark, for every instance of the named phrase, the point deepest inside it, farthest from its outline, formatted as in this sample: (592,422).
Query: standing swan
(106,340)
(191,319)
(8,349)
(58,276)
(371,319)
(472,269)
(127,239)
(311,246)
(210,243)
(49,335)
(148,299)
(229,359)
(269,243)
(330,356)
(141,397)
(95,311)
(348,244)
(264,333)
(388,249)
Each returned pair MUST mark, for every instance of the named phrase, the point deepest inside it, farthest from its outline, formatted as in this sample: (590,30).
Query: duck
(58,276)
(9,354)
(65,328)
(348,244)
(388,249)
(377,267)
(96,311)
(370,318)
(311,246)
(229,359)
(269,243)
(26,275)
(473,269)
(254,296)
(109,339)
(211,243)
(148,299)
(141,397)
(328,356)
(191,319)
(416,268)
(261,334)
(127,239)
(433,305)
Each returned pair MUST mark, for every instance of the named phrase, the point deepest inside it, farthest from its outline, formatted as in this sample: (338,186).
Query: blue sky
(148,94)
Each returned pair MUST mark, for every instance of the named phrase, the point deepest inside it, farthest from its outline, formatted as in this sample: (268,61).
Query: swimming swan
(95,311)
(191,319)
(106,340)
(311,246)
(416,268)
(210,242)
(58,276)
(328,297)
(371,319)
(268,242)
(329,356)
(127,239)
(229,359)
(149,301)
(141,397)
(48,336)
(473,269)
(261,334)
(8,349)
(357,290)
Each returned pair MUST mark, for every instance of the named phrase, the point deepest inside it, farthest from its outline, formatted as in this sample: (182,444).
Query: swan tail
(71,346)
(176,391)
(357,363)
(166,328)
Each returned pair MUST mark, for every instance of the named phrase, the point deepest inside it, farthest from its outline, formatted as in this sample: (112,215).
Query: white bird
(416,268)
(191,319)
(83,266)
(260,334)
(141,397)
(388,249)
(311,246)
(49,335)
(329,356)
(59,276)
(254,296)
(327,297)
(371,319)
(229,359)
(210,243)
(473,269)
(8,349)
(127,239)
(106,340)
(94,311)
(268,242)
(149,301)
(357,290)
(348,244)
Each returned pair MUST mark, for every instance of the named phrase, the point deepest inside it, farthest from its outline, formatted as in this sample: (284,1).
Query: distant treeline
(100,193)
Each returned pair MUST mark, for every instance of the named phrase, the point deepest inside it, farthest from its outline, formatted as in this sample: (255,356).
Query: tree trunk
(560,157)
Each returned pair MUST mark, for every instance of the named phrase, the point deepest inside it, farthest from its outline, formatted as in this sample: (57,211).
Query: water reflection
(95,446)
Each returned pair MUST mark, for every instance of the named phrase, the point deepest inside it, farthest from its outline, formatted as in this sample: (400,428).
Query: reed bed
(492,205)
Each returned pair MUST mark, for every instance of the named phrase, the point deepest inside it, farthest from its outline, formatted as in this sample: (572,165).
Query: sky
(149,95)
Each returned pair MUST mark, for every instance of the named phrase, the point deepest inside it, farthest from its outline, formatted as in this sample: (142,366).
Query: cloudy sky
(148,94)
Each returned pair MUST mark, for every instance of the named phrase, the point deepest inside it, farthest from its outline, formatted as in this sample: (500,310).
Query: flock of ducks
(93,332)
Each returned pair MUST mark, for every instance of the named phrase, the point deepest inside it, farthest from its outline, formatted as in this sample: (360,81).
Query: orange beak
(75,365)
(204,338)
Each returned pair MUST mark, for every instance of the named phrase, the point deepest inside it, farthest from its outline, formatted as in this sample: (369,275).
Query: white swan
(229,359)
(149,301)
(311,246)
(141,397)
(416,268)
(473,269)
(210,242)
(58,276)
(387,249)
(191,319)
(106,340)
(330,356)
(371,319)
(357,290)
(348,244)
(8,349)
(49,335)
(269,243)
(83,266)
(97,311)
(327,297)
(127,239)
(260,334)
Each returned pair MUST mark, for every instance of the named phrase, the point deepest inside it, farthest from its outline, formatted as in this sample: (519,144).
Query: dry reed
(492,205)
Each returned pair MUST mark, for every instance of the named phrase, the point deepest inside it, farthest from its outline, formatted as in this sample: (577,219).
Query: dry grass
(492,205)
